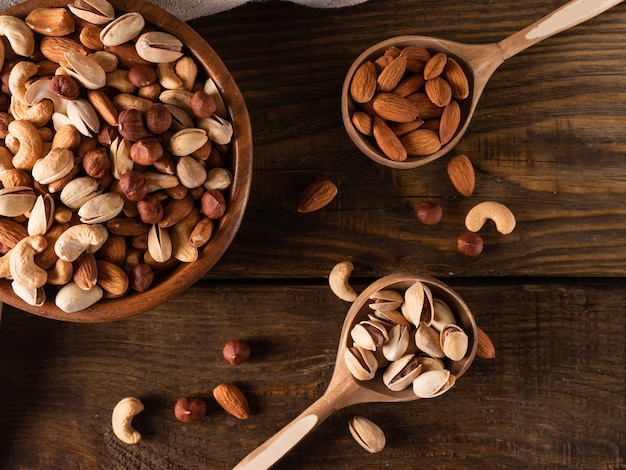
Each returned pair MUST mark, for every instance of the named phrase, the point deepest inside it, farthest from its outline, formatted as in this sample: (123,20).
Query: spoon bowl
(478,61)
(344,390)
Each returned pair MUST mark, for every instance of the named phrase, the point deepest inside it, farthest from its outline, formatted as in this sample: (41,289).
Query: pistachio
(433,383)
(187,141)
(83,117)
(41,215)
(442,315)
(398,342)
(157,47)
(16,201)
(101,208)
(401,373)
(417,307)
(80,190)
(361,362)
(369,334)
(367,434)
(159,244)
(123,29)
(93,11)
(190,172)
(84,69)
(427,340)
(454,342)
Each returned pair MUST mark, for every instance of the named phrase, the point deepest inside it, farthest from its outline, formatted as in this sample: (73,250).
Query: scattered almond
(485,349)
(317,195)
(232,400)
(461,174)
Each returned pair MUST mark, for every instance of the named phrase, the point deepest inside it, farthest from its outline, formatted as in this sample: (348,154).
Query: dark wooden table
(548,140)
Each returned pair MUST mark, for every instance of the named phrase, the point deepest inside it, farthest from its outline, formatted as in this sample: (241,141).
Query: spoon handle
(565,17)
(287,438)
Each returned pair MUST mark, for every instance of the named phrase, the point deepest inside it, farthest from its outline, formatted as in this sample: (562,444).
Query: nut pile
(408,100)
(115,154)
(413,336)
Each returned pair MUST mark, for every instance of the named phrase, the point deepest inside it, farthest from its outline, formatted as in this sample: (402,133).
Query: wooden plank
(552,398)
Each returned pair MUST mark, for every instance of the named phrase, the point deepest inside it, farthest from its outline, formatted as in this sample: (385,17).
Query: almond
(426,109)
(416,58)
(435,65)
(85,271)
(388,142)
(112,278)
(363,85)
(409,85)
(421,142)
(457,79)
(401,128)
(461,174)
(363,122)
(54,48)
(438,91)
(317,195)
(11,232)
(450,120)
(391,75)
(485,349)
(391,107)
(232,399)
(51,21)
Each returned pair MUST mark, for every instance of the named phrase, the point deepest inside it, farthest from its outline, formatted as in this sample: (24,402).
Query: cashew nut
(121,421)
(31,144)
(5,265)
(38,114)
(338,281)
(498,212)
(22,264)
(19,76)
(79,238)
(19,35)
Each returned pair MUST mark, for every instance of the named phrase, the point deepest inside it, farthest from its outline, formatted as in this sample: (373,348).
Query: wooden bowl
(175,281)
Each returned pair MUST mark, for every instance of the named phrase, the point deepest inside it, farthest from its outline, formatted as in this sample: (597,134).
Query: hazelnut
(134,185)
(141,277)
(107,135)
(429,213)
(142,75)
(146,151)
(470,244)
(213,204)
(189,409)
(158,118)
(150,210)
(236,351)
(202,104)
(96,163)
(130,125)
(65,87)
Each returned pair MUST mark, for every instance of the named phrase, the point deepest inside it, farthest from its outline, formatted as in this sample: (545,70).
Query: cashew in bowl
(496,211)
(122,417)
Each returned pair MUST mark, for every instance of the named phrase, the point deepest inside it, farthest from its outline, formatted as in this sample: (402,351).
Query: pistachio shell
(83,116)
(454,342)
(80,190)
(417,307)
(84,69)
(191,173)
(442,315)
(433,383)
(430,363)
(369,334)
(159,244)
(187,141)
(219,129)
(30,295)
(93,11)
(400,373)
(101,208)
(119,153)
(392,317)
(398,342)
(367,434)
(159,47)
(16,200)
(123,29)
(427,340)
(41,215)
(361,363)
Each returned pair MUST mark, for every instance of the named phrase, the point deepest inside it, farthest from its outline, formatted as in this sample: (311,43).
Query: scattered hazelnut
(429,213)
(96,163)
(130,125)
(141,277)
(236,351)
(107,135)
(65,87)
(189,409)
(213,204)
(134,185)
(470,244)
(158,118)
(150,209)
(146,151)
(142,75)
(202,104)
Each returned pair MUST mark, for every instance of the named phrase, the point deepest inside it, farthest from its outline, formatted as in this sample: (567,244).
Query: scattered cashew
(22,264)
(121,421)
(338,281)
(79,238)
(19,76)
(31,144)
(20,36)
(498,212)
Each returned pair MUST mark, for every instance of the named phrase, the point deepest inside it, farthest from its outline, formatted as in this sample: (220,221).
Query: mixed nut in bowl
(404,104)
(126,158)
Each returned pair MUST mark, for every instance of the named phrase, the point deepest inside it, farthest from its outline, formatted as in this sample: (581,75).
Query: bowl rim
(186,274)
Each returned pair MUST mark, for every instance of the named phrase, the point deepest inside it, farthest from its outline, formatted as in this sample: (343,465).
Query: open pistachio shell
(101,208)
(433,383)
(418,304)
(442,315)
(454,342)
(361,363)
(401,372)
(367,434)
(369,334)
(427,340)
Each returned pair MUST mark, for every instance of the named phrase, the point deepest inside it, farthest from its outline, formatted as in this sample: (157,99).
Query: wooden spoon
(344,390)
(479,62)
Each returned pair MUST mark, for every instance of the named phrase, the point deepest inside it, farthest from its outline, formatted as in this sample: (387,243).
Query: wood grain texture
(552,398)
(547,140)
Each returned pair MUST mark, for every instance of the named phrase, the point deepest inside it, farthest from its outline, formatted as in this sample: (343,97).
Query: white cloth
(190,9)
